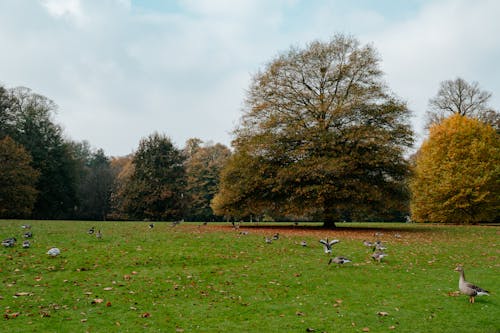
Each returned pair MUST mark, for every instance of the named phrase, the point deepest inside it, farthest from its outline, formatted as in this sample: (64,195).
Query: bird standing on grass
(339,260)
(9,242)
(26,244)
(91,231)
(468,288)
(54,252)
(378,255)
(151,225)
(98,234)
(327,245)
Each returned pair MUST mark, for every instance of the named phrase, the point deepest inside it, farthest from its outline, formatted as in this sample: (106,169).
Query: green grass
(206,279)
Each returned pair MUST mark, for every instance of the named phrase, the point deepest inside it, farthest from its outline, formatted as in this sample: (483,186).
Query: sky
(120,70)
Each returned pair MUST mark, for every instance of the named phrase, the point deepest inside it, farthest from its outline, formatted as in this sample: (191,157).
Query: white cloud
(119,73)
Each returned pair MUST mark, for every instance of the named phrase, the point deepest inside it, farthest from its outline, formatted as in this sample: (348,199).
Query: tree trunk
(329,223)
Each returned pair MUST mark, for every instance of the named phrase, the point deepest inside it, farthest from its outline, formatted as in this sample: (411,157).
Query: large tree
(30,124)
(17,180)
(457,172)
(321,135)
(203,176)
(156,188)
(461,97)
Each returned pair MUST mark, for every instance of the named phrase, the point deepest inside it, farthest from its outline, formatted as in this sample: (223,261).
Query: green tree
(94,183)
(457,172)
(33,127)
(17,180)
(320,135)
(203,173)
(157,186)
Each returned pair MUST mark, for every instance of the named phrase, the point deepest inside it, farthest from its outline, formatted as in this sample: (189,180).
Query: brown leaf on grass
(126,277)
(366,329)
(11,315)
(382,313)
(310,329)
(392,327)
(178,329)
(299,313)
(108,303)
(97,301)
(454,293)
(83,320)
(38,278)
(108,288)
(146,315)
(23,293)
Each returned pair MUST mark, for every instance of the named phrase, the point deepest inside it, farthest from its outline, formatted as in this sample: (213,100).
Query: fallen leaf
(382,313)
(392,327)
(108,304)
(178,329)
(146,315)
(366,329)
(310,329)
(11,315)
(83,320)
(126,277)
(108,288)
(23,293)
(97,301)
(454,293)
(299,313)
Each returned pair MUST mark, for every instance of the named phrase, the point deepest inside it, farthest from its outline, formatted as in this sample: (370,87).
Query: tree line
(321,137)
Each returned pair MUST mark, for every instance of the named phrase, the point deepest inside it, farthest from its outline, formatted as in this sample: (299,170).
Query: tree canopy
(203,167)
(457,172)
(156,186)
(461,97)
(17,180)
(321,135)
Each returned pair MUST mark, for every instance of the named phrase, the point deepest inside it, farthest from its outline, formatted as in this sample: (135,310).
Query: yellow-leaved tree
(457,173)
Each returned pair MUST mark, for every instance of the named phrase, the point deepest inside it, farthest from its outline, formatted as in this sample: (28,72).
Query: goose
(303,243)
(54,252)
(91,231)
(28,234)
(378,246)
(98,234)
(368,243)
(9,242)
(26,226)
(378,255)
(468,288)
(26,244)
(327,245)
(151,225)
(339,260)
(276,236)
(268,240)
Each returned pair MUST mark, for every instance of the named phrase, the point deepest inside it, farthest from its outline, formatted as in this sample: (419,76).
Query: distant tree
(321,134)
(203,174)
(157,186)
(122,169)
(7,116)
(17,180)
(457,172)
(192,146)
(94,183)
(463,98)
(33,127)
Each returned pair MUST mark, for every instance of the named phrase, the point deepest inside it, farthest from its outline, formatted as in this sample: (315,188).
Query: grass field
(193,278)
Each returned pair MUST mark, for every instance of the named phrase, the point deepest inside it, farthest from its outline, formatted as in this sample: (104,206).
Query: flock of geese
(378,254)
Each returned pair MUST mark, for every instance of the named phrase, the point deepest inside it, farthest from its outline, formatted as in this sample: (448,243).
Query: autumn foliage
(457,172)
(17,180)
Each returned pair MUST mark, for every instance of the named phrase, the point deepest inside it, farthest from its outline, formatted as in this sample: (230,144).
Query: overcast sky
(120,70)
